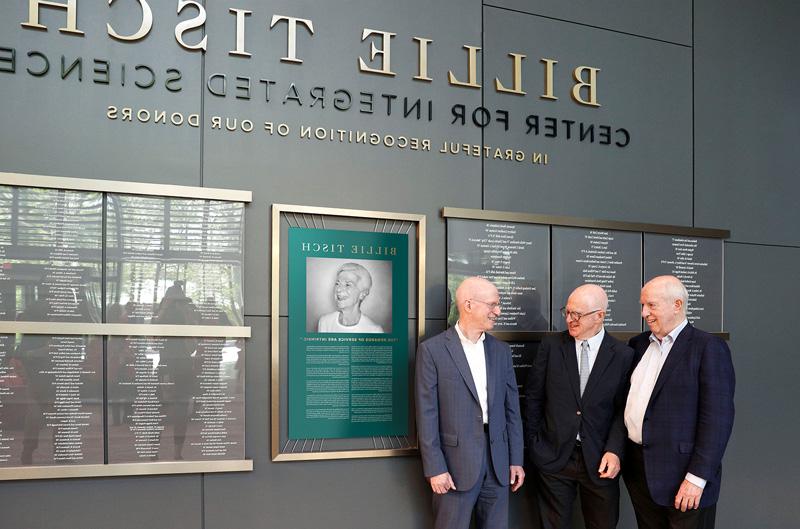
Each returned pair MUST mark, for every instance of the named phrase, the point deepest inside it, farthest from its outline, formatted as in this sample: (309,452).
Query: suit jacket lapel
(453,345)
(571,364)
(679,348)
(601,362)
(491,370)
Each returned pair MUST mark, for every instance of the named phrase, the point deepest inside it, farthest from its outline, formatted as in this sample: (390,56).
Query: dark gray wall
(707,89)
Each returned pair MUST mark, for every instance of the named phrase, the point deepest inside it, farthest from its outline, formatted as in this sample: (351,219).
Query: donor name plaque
(609,258)
(536,261)
(697,262)
(513,256)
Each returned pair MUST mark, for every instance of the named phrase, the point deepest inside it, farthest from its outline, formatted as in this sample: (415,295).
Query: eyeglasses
(491,306)
(572,315)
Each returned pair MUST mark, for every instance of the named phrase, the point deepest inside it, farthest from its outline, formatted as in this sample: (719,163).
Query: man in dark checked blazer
(679,414)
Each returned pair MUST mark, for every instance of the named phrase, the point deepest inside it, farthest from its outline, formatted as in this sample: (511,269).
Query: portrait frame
(295,300)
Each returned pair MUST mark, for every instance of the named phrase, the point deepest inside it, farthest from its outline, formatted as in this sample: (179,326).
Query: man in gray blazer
(468,420)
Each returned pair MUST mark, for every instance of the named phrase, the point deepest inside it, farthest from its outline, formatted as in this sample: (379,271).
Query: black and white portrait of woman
(348,296)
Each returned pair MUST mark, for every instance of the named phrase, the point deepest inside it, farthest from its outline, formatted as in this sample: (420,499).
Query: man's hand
(441,483)
(517,477)
(688,496)
(609,466)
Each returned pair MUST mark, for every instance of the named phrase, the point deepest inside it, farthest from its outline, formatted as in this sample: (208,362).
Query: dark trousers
(557,492)
(488,498)
(649,514)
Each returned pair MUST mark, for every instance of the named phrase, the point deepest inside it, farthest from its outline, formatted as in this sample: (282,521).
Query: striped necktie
(584,368)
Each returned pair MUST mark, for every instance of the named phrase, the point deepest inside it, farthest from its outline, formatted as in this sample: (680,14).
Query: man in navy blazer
(679,414)
(468,420)
(575,398)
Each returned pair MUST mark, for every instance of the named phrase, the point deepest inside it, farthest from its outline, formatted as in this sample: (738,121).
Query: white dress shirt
(643,380)
(594,347)
(477,366)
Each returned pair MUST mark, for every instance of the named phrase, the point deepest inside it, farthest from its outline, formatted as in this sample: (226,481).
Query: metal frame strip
(122,329)
(124,469)
(124,187)
(556,220)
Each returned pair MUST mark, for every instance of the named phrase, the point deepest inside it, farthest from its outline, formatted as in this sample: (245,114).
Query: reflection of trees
(27,216)
(43,230)
(153,242)
(150,243)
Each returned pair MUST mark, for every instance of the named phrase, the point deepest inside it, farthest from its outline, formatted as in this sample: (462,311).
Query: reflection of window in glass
(36,218)
(50,246)
(155,244)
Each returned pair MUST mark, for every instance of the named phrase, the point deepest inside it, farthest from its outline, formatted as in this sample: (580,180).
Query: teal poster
(348,334)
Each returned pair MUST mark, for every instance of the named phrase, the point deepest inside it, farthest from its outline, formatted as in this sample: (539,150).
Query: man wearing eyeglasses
(679,414)
(468,420)
(575,399)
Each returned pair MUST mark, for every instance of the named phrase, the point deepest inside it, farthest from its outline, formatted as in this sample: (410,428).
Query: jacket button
(578,412)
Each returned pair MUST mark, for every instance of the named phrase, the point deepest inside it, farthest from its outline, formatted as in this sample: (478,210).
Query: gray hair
(364,278)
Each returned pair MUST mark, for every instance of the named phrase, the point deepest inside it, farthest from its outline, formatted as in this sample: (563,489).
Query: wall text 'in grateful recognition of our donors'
(50,386)
(515,257)
(348,334)
(609,258)
(697,262)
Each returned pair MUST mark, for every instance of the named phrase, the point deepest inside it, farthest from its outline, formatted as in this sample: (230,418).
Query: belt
(486,427)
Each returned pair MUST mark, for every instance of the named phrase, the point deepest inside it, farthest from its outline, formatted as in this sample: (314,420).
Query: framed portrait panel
(347,312)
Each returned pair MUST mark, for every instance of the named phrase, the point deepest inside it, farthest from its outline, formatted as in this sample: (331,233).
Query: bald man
(468,421)
(678,415)
(575,396)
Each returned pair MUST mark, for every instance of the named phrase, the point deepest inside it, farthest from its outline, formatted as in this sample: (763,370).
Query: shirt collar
(673,334)
(465,339)
(596,340)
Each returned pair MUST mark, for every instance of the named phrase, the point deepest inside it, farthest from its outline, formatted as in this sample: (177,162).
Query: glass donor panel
(174,261)
(175,398)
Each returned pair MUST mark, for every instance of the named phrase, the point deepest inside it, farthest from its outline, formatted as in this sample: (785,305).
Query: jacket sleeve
(516,454)
(715,409)
(618,433)
(427,403)
(534,392)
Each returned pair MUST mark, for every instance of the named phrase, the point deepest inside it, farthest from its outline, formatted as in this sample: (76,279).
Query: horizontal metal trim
(537,336)
(125,469)
(123,329)
(578,222)
(346,454)
(341,212)
(124,187)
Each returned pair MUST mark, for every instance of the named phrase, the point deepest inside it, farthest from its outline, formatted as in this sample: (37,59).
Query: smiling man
(575,397)
(468,421)
(353,283)
(679,414)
